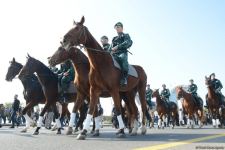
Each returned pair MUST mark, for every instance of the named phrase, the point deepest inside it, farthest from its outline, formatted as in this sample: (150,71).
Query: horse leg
(57,117)
(96,123)
(133,112)
(28,119)
(77,105)
(40,119)
(117,104)
(192,121)
(217,118)
(94,96)
(200,117)
(214,119)
(160,121)
(141,92)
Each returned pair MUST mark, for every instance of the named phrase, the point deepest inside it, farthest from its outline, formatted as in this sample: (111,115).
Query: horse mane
(47,71)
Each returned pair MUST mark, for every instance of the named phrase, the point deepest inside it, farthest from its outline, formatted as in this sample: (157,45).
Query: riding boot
(123,81)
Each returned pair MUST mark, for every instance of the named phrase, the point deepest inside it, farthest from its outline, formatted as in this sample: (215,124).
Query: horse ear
(206,77)
(28,56)
(61,43)
(74,22)
(13,60)
(82,20)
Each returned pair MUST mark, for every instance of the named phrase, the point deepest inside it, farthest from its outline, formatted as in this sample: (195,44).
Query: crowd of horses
(95,77)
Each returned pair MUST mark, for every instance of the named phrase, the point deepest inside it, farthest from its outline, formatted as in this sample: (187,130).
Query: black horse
(33,93)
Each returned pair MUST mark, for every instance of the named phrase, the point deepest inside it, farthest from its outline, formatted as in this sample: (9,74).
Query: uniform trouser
(65,82)
(13,118)
(122,59)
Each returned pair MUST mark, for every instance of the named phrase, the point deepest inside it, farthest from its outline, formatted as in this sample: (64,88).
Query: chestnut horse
(213,103)
(165,111)
(49,85)
(190,107)
(82,67)
(104,76)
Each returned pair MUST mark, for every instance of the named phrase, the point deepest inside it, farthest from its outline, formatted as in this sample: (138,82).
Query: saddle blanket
(131,70)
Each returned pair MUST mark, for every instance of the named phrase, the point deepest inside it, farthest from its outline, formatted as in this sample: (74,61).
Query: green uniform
(123,41)
(106,47)
(65,80)
(165,93)
(149,97)
(192,88)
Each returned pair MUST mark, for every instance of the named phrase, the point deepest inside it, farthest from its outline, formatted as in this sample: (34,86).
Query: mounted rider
(217,86)
(149,96)
(165,94)
(192,88)
(66,75)
(105,43)
(119,47)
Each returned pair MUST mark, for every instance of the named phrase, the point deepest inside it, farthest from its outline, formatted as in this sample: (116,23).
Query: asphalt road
(178,138)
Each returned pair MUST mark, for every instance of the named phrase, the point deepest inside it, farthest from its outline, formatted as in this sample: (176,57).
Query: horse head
(29,68)
(76,35)
(155,93)
(60,55)
(179,92)
(208,81)
(13,70)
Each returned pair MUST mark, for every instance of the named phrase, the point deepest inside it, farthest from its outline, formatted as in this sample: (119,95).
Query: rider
(192,88)
(217,86)
(149,96)
(66,75)
(165,93)
(105,43)
(119,47)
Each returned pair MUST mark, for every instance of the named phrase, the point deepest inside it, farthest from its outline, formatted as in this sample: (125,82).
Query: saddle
(131,70)
(198,101)
(72,88)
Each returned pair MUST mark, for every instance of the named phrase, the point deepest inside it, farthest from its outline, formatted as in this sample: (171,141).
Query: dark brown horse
(213,102)
(49,84)
(33,93)
(190,107)
(82,67)
(165,110)
(104,76)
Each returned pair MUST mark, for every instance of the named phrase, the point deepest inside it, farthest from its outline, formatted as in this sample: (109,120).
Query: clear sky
(174,40)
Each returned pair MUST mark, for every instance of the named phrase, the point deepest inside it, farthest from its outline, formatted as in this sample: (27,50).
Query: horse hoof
(53,129)
(81,137)
(172,127)
(58,132)
(121,135)
(143,132)
(96,133)
(69,131)
(133,133)
(24,130)
(35,133)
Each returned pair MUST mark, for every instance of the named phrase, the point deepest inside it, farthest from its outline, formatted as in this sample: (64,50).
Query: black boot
(123,81)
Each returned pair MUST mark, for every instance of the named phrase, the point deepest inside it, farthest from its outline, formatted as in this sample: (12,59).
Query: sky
(173,41)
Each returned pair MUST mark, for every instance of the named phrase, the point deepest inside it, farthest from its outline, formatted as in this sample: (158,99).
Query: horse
(104,76)
(33,93)
(165,110)
(190,107)
(49,85)
(82,67)
(213,102)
